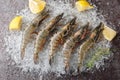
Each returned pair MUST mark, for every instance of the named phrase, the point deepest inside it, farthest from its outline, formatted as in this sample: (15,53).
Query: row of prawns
(68,36)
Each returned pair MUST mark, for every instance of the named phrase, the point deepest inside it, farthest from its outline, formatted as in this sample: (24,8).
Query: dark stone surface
(110,9)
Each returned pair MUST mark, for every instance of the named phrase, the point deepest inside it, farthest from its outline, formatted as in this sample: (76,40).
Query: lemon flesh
(83,5)
(36,6)
(15,24)
(109,33)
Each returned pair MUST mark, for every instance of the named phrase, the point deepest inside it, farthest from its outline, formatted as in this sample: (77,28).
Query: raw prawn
(60,38)
(94,37)
(42,36)
(29,30)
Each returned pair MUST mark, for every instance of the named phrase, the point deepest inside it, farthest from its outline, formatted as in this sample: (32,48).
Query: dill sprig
(99,52)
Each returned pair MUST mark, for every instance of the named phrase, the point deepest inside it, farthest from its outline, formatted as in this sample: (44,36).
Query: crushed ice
(13,39)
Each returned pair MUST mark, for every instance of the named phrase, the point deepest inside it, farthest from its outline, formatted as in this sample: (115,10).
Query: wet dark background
(110,9)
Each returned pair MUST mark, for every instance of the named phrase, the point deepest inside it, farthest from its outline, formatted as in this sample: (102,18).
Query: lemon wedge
(36,6)
(15,24)
(109,33)
(83,5)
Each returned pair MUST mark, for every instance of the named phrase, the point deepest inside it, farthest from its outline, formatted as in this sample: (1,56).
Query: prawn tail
(22,53)
(67,68)
(52,52)
(36,58)
(79,67)
(51,60)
